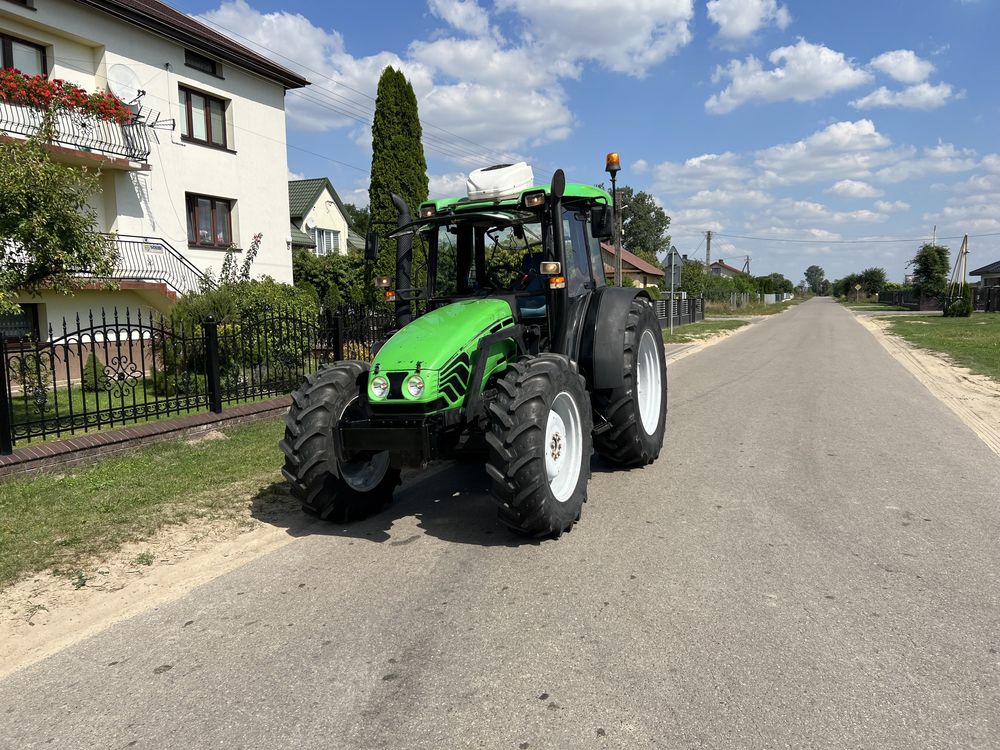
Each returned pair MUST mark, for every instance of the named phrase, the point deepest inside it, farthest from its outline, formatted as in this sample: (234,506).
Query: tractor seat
(533,306)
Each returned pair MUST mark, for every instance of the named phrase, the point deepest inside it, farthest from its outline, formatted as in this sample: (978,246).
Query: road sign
(857,287)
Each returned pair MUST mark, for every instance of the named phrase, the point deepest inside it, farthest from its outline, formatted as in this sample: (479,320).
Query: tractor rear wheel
(328,488)
(540,445)
(637,410)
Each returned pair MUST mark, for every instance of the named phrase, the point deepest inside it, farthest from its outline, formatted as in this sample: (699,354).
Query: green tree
(357,218)
(930,270)
(644,224)
(48,231)
(814,278)
(398,163)
(335,278)
(693,277)
(873,280)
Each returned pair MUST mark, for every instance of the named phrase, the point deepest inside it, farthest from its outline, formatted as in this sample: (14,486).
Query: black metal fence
(118,368)
(688,310)
(79,130)
(984,299)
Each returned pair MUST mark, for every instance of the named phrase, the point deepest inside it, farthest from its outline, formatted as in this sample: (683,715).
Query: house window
(24,56)
(202,63)
(21,325)
(209,221)
(203,118)
(327,241)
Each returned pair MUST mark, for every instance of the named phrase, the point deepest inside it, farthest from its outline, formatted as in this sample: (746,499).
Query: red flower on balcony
(38,91)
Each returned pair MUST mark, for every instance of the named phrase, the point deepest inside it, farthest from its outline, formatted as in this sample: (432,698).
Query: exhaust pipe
(404,263)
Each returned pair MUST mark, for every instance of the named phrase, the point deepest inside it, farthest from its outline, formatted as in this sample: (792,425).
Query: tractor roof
(463,203)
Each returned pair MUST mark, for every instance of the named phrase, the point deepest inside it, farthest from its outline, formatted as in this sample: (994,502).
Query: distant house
(721,268)
(989,274)
(197,166)
(640,271)
(318,221)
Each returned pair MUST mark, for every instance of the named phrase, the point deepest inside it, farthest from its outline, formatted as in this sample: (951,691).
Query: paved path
(814,563)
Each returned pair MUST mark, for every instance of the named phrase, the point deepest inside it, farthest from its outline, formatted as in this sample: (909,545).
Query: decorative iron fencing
(154,259)
(688,310)
(81,131)
(121,368)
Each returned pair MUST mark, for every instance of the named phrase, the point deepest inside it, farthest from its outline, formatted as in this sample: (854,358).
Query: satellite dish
(124,83)
(310,223)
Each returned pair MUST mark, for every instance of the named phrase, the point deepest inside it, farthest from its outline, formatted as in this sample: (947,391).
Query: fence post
(212,364)
(6,431)
(338,336)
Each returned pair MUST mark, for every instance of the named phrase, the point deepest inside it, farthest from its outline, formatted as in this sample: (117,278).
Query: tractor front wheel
(338,491)
(540,445)
(637,410)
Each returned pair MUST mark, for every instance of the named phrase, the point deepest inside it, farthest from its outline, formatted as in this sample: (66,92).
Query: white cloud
(729,198)
(888,207)
(739,19)
(640,166)
(944,158)
(464,15)
(703,172)
(803,72)
(863,216)
(854,189)
(445,185)
(845,150)
(919,96)
(295,175)
(903,65)
(629,37)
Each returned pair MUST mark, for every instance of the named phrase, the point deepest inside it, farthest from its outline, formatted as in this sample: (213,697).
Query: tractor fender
(602,348)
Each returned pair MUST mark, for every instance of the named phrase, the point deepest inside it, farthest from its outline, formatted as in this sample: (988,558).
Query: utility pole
(708,249)
(612,165)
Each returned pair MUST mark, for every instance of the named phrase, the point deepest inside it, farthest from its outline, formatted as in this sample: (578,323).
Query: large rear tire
(637,410)
(327,488)
(540,445)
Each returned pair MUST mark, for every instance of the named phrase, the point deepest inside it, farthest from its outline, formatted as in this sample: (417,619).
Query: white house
(317,218)
(202,166)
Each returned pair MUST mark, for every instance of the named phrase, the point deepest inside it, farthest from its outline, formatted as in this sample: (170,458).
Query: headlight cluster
(380,386)
(415,386)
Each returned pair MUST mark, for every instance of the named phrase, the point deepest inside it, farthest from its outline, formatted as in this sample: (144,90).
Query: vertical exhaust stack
(404,263)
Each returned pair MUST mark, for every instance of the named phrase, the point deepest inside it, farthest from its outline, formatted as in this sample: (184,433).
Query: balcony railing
(154,260)
(80,131)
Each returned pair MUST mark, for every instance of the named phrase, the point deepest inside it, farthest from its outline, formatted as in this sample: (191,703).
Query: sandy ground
(45,613)
(974,398)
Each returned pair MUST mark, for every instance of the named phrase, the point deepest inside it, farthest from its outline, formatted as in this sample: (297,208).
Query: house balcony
(151,263)
(82,138)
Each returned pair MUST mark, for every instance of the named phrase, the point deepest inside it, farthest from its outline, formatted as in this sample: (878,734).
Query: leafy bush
(336,279)
(960,307)
(653,292)
(182,384)
(90,379)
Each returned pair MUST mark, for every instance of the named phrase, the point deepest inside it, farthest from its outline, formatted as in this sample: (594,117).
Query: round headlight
(380,387)
(415,386)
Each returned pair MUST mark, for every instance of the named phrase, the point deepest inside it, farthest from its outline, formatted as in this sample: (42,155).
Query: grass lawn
(697,331)
(724,309)
(872,307)
(973,342)
(62,520)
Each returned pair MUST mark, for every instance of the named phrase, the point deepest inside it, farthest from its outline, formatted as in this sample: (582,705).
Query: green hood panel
(435,338)
(445,343)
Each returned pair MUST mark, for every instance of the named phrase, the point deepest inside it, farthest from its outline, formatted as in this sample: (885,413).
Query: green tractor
(520,354)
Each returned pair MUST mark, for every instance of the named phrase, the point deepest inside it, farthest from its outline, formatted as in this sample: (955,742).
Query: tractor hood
(436,338)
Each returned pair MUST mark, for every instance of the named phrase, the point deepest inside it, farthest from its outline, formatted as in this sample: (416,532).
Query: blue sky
(837,127)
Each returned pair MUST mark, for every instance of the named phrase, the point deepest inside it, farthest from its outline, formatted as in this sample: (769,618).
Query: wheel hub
(556,446)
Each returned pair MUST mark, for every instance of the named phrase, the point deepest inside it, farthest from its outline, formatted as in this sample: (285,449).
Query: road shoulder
(975,399)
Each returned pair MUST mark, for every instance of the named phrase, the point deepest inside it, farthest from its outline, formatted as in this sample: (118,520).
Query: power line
(846,242)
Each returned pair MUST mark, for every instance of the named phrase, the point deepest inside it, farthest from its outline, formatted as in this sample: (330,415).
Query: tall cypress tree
(398,163)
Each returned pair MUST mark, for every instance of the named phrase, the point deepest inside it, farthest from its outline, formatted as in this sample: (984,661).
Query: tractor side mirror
(371,246)
(602,222)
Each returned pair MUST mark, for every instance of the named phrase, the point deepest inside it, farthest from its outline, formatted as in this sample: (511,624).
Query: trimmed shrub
(93,371)
(960,307)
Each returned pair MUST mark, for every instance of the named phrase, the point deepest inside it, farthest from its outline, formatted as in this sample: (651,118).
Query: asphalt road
(812,563)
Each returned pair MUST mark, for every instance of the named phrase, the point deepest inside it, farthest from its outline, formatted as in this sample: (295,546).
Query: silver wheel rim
(563,447)
(648,383)
(363,476)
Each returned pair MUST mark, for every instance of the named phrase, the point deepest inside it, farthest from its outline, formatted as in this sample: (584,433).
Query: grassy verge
(62,520)
(700,330)
(725,310)
(972,342)
(871,307)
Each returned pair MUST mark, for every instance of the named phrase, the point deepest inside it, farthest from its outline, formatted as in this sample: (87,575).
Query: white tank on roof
(499,181)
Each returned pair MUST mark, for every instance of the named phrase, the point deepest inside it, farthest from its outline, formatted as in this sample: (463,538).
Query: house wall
(84,44)
(327,216)
(990,279)
(54,308)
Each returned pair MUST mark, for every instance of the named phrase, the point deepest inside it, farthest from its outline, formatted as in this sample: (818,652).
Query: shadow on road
(450,501)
